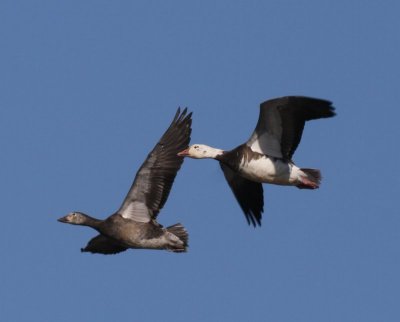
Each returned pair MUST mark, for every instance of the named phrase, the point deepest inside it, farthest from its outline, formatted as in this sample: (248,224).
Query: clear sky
(88,87)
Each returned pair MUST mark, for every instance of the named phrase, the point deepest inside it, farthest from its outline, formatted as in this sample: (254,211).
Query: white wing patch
(267,144)
(136,211)
(266,138)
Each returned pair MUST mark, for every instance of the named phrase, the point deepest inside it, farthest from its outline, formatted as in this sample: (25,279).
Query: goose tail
(311,180)
(181,244)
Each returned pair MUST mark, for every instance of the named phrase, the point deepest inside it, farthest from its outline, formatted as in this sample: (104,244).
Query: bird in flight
(135,224)
(267,156)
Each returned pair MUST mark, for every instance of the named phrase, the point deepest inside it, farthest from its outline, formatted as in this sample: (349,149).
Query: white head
(200,151)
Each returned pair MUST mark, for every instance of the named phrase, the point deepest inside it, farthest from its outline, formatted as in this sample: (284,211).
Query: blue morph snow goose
(134,225)
(267,155)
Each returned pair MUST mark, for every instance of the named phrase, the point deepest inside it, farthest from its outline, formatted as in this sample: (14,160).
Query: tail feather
(179,231)
(312,180)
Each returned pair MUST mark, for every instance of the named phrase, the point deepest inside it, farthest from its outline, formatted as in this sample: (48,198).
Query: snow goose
(267,156)
(134,225)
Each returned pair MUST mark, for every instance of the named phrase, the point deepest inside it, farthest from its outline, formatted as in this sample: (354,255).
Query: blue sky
(87,89)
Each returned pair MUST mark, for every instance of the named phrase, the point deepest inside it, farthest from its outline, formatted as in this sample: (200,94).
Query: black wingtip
(253,219)
(181,116)
(326,108)
(332,111)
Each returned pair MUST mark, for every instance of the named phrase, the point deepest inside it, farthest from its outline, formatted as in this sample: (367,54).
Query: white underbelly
(270,171)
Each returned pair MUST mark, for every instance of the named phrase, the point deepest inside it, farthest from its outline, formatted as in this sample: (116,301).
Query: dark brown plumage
(134,225)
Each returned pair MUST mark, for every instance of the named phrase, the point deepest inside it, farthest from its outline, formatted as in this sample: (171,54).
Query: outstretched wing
(103,245)
(249,195)
(154,180)
(281,123)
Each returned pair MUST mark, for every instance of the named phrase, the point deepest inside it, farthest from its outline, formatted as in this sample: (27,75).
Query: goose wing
(103,245)
(281,123)
(249,195)
(154,180)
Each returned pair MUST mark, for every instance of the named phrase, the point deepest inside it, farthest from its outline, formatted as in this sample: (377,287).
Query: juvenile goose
(267,155)
(134,225)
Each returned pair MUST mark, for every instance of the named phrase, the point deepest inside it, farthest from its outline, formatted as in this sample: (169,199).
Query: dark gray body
(134,225)
(118,234)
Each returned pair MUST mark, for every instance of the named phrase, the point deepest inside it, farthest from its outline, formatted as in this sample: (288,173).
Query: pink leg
(307,184)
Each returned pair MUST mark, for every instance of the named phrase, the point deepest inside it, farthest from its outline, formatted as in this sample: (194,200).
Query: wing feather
(281,122)
(103,245)
(154,180)
(249,195)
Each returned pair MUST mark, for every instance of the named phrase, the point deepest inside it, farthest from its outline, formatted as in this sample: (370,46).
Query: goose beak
(63,219)
(184,153)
